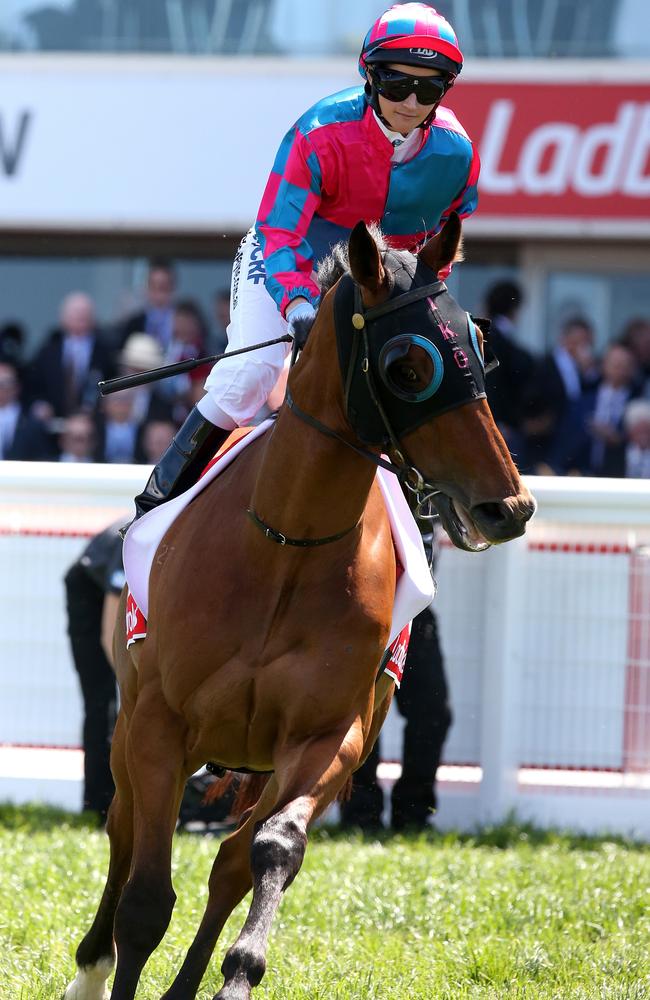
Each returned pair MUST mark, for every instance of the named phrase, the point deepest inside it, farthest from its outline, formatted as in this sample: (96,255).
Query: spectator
(157,317)
(637,452)
(221,315)
(197,379)
(22,437)
(505,385)
(636,337)
(631,458)
(75,357)
(93,585)
(156,437)
(190,334)
(423,701)
(117,429)
(559,401)
(12,344)
(615,390)
(78,439)
(140,353)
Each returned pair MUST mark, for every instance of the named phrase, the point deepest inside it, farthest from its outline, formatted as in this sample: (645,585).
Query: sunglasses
(395,86)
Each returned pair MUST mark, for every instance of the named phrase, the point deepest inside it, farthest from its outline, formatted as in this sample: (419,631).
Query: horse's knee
(143,915)
(278,846)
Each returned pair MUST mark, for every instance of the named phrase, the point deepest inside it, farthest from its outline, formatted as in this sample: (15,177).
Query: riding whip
(179,368)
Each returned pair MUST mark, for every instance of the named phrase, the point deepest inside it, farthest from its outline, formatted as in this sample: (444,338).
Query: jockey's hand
(301,319)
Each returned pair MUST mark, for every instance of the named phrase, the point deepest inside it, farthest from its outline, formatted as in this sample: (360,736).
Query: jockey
(386,152)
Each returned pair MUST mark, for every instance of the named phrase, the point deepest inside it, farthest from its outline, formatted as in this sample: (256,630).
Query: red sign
(572,150)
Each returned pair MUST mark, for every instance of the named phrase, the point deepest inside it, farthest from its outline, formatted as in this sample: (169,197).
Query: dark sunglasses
(395,86)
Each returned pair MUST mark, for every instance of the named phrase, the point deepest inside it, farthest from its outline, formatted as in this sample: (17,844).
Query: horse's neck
(309,484)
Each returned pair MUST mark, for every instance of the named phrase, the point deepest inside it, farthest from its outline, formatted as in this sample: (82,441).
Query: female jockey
(384,152)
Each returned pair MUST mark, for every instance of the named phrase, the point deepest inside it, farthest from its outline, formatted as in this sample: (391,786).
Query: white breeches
(238,387)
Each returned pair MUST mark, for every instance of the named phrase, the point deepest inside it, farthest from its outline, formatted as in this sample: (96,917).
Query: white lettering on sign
(556,157)
(12,142)
(636,181)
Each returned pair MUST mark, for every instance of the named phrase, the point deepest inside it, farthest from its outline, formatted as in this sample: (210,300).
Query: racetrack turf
(510,913)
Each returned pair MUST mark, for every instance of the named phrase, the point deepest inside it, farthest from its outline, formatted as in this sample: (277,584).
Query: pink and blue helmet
(414,34)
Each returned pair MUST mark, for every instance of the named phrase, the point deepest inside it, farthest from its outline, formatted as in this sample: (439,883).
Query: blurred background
(135,141)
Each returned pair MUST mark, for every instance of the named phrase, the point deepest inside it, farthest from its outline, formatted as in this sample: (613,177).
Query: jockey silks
(335,168)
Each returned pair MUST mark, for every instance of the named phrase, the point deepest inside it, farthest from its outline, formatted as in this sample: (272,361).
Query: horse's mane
(337,263)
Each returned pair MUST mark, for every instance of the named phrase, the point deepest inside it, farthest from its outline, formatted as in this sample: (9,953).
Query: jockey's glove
(300,321)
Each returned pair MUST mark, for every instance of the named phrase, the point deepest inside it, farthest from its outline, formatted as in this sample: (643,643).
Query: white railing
(546,643)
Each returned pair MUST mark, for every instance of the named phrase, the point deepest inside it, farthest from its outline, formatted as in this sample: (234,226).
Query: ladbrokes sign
(99,144)
(574,151)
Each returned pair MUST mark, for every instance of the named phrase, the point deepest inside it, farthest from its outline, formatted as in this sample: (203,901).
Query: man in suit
(560,400)
(75,357)
(157,317)
(22,437)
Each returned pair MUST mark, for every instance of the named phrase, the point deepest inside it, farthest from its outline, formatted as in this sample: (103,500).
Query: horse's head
(413,369)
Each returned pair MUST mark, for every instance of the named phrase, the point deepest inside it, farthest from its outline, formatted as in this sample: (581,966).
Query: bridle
(402,467)
(407,473)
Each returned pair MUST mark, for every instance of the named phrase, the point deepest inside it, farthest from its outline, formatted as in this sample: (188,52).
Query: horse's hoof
(90,982)
(236,989)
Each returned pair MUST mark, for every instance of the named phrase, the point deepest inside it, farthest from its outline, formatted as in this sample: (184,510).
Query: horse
(280,572)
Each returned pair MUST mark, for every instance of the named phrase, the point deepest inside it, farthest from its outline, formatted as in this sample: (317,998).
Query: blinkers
(401,370)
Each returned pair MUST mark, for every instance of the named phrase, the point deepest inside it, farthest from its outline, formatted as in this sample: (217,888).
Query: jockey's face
(406,115)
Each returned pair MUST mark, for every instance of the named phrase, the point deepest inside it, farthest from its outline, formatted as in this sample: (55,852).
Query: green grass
(510,913)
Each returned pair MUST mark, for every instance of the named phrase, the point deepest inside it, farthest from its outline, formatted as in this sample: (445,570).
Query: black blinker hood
(438,318)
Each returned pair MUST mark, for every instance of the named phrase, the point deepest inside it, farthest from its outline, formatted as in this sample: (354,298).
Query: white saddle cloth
(415,588)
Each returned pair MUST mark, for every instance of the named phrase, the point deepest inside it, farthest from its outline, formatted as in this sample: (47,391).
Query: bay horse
(263,656)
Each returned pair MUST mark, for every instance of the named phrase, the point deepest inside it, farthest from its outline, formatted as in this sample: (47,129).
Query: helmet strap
(372,97)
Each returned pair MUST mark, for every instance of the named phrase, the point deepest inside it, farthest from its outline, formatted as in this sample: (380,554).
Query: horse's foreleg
(230,880)
(96,953)
(309,777)
(155,759)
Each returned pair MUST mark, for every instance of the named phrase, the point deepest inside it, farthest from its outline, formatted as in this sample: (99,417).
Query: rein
(407,473)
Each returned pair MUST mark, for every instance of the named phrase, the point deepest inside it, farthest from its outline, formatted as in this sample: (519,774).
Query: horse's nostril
(492,512)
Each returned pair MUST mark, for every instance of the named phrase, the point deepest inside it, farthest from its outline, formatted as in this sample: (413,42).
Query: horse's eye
(406,374)
(410,367)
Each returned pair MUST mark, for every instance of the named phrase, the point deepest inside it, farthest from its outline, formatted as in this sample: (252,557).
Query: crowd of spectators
(568,412)
(50,407)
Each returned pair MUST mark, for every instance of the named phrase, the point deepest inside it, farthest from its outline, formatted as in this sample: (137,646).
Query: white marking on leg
(90,982)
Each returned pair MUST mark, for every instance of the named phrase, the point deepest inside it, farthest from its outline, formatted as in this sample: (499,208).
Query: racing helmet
(414,34)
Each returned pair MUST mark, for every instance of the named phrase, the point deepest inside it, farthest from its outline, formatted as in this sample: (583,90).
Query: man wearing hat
(123,415)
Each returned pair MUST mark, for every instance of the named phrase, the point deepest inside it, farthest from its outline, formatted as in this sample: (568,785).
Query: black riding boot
(181,465)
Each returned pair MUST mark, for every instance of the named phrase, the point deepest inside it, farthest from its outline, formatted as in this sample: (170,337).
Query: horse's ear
(365,261)
(445,247)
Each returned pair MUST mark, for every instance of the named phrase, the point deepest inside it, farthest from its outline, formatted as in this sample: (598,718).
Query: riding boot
(181,465)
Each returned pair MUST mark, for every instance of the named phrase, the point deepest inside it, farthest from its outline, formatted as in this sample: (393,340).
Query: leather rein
(406,472)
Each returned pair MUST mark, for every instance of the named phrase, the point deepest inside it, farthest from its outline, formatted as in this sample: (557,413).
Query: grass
(508,913)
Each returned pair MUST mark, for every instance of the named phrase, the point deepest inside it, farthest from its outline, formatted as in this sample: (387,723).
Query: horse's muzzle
(501,520)
(474,528)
